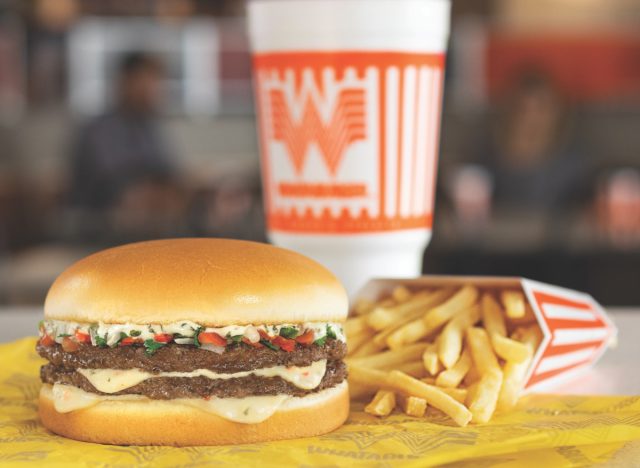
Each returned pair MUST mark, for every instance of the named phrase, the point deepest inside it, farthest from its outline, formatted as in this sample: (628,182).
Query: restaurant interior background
(123,120)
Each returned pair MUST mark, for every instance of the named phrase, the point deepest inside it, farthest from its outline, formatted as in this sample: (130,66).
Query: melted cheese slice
(248,410)
(67,398)
(114,380)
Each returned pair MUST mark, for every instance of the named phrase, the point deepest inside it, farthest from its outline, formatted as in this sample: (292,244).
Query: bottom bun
(160,422)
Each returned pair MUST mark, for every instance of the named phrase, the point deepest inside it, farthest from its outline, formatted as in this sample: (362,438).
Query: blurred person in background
(617,208)
(529,164)
(121,167)
(533,156)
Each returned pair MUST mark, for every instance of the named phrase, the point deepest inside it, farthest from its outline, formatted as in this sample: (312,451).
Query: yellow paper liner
(545,430)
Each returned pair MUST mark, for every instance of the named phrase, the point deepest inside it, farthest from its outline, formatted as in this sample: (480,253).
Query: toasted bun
(215,282)
(159,422)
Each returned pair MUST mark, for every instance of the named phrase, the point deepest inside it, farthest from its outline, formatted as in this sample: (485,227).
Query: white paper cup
(349,96)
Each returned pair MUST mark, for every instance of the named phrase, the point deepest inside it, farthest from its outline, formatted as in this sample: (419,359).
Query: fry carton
(576,330)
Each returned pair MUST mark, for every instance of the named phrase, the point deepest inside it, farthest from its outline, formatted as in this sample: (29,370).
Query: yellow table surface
(545,430)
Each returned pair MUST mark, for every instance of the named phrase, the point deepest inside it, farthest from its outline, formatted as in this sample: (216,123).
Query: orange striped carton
(576,330)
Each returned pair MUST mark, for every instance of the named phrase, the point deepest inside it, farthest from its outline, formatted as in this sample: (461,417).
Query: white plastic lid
(381,25)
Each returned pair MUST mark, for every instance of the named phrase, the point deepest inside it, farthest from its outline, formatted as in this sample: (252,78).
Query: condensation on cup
(349,100)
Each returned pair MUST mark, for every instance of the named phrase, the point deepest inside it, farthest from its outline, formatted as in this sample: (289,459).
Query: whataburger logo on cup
(349,139)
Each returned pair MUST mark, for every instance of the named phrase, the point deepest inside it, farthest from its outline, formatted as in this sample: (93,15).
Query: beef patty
(185,358)
(166,388)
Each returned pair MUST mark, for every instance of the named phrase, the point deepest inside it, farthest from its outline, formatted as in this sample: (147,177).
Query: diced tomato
(264,335)
(212,338)
(82,337)
(69,345)
(284,343)
(257,344)
(46,340)
(128,341)
(164,337)
(306,338)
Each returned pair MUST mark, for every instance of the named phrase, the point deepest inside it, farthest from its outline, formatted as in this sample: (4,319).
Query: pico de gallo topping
(283,337)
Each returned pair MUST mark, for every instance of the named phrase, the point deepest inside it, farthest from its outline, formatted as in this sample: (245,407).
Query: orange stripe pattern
(346,147)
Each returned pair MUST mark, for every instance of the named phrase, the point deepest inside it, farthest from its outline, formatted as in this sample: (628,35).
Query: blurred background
(129,120)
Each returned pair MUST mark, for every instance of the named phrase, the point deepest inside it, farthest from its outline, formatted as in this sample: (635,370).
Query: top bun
(213,282)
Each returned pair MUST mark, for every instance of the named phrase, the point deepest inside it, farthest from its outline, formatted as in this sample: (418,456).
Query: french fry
(414,369)
(458,394)
(534,334)
(528,319)
(492,317)
(356,341)
(513,302)
(408,333)
(408,385)
(401,294)
(391,358)
(450,339)
(356,325)
(436,297)
(493,320)
(471,393)
(413,406)
(388,302)
(473,375)
(434,396)
(508,349)
(382,404)
(452,377)
(483,403)
(515,372)
(366,377)
(439,315)
(384,316)
(417,329)
(363,306)
(380,338)
(414,373)
(528,334)
(367,349)
(430,360)
(481,351)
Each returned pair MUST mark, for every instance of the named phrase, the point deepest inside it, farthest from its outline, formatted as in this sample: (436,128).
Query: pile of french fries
(463,351)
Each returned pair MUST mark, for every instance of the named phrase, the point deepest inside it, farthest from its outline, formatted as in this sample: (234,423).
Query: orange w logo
(346,125)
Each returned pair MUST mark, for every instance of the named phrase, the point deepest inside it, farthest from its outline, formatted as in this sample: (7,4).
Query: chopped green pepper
(269,345)
(151,346)
(320,341)
(288,332)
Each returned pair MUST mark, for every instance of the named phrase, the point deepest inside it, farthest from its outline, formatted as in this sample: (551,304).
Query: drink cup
(349,98)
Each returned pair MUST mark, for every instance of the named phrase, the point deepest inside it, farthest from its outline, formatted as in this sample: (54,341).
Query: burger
(193,342)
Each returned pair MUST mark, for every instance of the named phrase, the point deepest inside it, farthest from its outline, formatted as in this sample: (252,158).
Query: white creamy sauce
(57,329)
(248,410)
(115,380)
